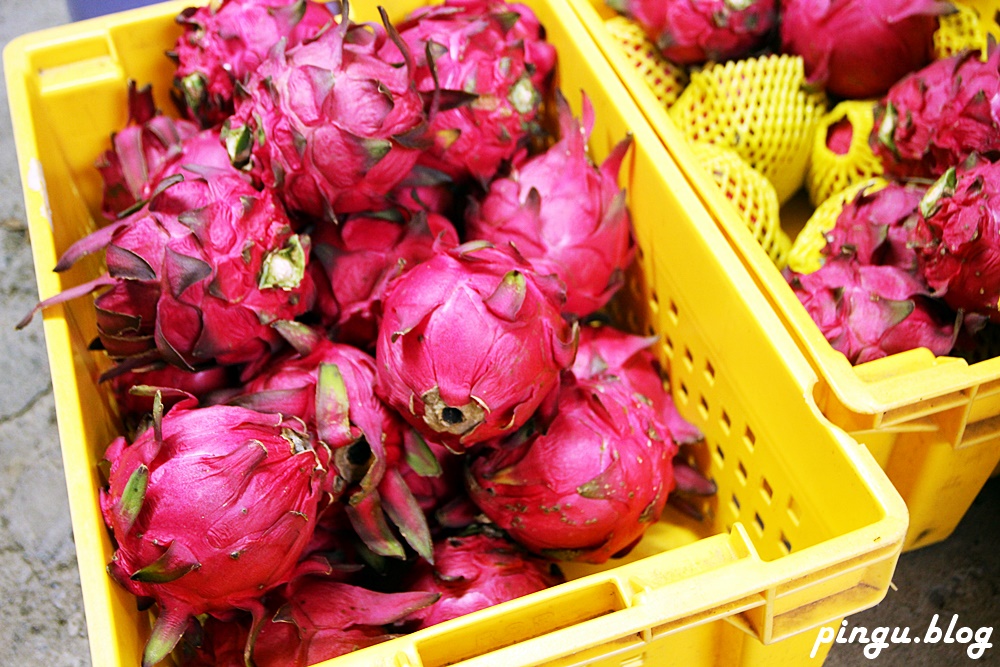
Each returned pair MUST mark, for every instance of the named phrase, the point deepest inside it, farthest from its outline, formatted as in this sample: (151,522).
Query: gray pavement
(41,610)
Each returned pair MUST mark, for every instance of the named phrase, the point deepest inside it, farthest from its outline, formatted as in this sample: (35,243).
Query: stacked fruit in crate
(879,121)
(354,317)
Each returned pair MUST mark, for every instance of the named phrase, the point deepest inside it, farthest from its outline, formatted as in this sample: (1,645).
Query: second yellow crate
(932,422)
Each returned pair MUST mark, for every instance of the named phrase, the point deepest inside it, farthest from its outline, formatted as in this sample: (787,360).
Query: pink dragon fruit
(330,387)
(609,354)
(330,124)
(960,251)
(197,274)
(200,383)
(690,32)
(585,485)
(932,119)
(138,152)
(477,571)
(322,619)
(353,262)
(859,48)
(213,643)
(488,68)
(210,508)
(225,41)
(604,350)
(566,216)
(425,190)
(868,312)
(471,341)
(879,227)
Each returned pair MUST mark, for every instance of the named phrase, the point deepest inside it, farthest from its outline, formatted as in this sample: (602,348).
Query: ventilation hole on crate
(785,544)
(688,357)
(673,310)
(741,473)
(668,346)
(749,438)
(736,504)
(726,422)
(704,408)
(794,511)
(639,252)
(758,521)
(766,489)
(720,456)
(654,297)
(683,392)
(710,372)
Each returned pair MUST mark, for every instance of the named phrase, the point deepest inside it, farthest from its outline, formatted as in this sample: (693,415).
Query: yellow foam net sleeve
(830,172)
(759,107)
(666,79)
(752,195)
(970,27)
(806,254)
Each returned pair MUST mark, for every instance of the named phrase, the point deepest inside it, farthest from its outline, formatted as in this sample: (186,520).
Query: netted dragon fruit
(470,343)
(488,67)
(689,32)
(330,387)
(477,571)
(868,312)
(210,508)
(567,216)
(879,227)
(197,274)
(859,48)
(586,484)
(224,41)
(841,154)
(331,124)
(354,261)
(321,619)
(960,232)
(934,118)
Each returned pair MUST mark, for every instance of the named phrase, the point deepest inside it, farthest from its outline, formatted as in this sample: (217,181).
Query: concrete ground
(41,611)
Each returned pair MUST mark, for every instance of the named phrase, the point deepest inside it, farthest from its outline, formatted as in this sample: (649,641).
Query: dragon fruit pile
(896,151)
(352,303)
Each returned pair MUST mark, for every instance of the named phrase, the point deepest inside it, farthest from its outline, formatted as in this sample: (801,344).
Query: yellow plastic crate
(805,529)
(932,423)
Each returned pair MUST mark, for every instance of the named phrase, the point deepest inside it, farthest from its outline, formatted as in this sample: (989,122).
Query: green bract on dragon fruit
(348,317)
